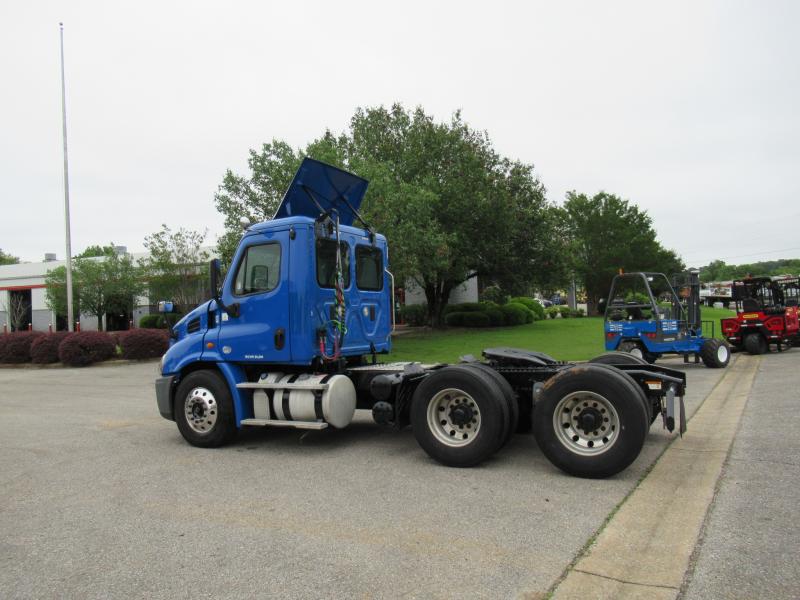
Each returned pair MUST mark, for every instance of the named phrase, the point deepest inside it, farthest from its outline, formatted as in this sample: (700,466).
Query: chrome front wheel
(201,410)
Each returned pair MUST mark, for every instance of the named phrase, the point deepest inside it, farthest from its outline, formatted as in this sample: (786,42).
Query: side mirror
(215,276)
(216,290)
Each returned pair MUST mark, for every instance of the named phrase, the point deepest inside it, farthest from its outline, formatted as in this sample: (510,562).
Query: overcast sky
(689,109)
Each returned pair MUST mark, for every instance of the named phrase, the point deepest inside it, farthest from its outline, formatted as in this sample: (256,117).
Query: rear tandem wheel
(590,422)
(459,416)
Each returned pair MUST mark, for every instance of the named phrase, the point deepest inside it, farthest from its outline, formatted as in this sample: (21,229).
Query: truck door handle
(280,339)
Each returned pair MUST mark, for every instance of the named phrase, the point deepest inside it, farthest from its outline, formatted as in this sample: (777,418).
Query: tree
(17,309)
(7,259)
(104,284)
(56,292)
(451,207)
(608,234)
(94,251)
(256,197)
(175,269)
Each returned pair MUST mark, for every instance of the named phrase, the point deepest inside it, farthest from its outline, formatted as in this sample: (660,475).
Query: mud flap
(669,413)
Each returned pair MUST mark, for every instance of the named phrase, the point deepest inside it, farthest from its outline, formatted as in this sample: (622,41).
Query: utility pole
(70,315)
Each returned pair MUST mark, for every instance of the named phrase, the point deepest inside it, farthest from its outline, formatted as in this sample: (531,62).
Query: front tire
(204,410)
(589,422)
(459,416)
(755,343)
(715,354)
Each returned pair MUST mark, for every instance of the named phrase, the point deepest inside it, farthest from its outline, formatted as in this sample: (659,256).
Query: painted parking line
(644,550)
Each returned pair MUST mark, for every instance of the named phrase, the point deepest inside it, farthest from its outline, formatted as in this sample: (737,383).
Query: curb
(645,548)
(105,363)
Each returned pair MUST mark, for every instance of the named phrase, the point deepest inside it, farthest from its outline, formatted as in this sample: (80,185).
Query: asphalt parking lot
(101,497)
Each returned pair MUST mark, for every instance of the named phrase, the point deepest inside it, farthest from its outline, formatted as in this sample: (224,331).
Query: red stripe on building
(19,288)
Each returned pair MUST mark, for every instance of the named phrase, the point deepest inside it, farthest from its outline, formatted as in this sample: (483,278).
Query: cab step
(317,425)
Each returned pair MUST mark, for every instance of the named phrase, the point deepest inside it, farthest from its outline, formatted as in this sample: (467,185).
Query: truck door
(258,283)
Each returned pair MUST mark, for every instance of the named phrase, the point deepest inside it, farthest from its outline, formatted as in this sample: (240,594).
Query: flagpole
(70,315)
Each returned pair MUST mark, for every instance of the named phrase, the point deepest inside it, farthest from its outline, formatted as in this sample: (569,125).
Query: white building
(27,281)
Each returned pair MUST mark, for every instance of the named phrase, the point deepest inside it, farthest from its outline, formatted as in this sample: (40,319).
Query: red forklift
(766,314)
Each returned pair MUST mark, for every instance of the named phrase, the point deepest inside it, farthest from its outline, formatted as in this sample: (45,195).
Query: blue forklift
(646,318)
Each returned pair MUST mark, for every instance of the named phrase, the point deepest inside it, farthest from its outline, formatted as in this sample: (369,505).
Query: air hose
(336,326)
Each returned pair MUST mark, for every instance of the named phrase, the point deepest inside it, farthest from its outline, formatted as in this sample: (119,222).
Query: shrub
(551,312)
(158,320)
(15,348)
(454,319)
(138,344)
(415,315)
(476,319)
(565,311)
(86,347)
(516,314)
(538,311)
(467,319)
(44,349)
(524,300)
(151,322)
(496,317)
(532,305)
(578,312)
(464,307)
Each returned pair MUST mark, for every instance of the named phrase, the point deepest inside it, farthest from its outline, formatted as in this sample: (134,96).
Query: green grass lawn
(564,339)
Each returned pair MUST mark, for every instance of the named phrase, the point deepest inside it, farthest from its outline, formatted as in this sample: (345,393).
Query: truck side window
(259,270)
(369,268)
(326,262)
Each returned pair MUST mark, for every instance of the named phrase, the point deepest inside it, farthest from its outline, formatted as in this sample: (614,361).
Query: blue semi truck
(293,335)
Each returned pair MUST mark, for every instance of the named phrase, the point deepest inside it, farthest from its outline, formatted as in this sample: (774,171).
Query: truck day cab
(292,336)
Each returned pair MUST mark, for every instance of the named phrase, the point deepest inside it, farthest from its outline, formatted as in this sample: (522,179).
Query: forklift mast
(688,286)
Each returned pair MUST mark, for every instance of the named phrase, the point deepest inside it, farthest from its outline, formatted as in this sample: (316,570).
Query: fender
(242,399)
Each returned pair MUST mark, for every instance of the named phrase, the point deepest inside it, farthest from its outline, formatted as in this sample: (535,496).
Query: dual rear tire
(460,415)
(590,421)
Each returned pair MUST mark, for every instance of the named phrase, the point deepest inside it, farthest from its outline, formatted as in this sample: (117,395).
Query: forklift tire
(755,343)
(636,349)
(514,425)
(589,422)
(618,358)
(204,410)
(715,354)
(459,416)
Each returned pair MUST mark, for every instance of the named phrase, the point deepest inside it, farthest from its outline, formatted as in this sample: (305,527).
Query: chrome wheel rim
(201,410)
(454,417)
(586,423)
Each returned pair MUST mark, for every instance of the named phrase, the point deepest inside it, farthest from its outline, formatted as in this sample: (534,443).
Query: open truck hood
(317,185)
